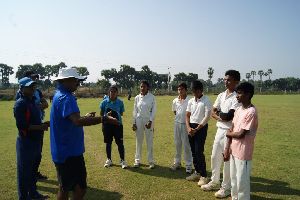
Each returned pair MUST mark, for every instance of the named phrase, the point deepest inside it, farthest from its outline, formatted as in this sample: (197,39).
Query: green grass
(276,160)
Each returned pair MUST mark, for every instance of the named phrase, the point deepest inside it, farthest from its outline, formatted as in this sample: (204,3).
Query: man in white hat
(66,135)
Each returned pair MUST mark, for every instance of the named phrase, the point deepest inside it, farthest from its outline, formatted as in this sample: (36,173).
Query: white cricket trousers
(240,171)
(217,160)
(181,139)
(141,130)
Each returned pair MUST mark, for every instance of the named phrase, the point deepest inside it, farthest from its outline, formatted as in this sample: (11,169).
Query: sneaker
(108,163)
(210,186)
(151,165)
(136,164)
(39,196)
(193,177)
(175,166)
(202,181)
(124,164)
(40,176)
(189,170)
(222,193)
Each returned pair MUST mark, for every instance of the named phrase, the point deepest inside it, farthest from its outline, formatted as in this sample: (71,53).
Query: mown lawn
(276,163)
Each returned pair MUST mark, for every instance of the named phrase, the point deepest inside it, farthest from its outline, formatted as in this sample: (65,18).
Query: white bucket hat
(68,73)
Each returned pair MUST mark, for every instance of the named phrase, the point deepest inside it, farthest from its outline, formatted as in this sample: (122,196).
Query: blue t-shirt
(66,138)
(117,108)
(27,113)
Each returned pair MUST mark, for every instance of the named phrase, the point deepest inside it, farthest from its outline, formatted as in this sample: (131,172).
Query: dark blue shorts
(112,131)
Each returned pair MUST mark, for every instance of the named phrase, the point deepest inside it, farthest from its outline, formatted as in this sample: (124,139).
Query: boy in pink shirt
(241,142)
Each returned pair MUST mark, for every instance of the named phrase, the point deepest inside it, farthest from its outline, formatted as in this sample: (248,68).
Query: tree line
(128,77)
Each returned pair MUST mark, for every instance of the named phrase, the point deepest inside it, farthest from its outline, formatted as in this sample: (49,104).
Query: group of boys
(236,121)
(234,141)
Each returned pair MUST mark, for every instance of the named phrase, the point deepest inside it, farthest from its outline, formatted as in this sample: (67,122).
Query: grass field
(276,160)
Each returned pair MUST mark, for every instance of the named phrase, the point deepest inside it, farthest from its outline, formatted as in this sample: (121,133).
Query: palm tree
(248,76)
(253,73)
(269,73)
(210,73)
(260,73)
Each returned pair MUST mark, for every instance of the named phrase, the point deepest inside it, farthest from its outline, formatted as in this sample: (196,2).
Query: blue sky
(187,36)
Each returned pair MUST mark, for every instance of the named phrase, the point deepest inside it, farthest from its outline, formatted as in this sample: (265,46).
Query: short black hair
(197,85)
(247,88)
(234,74)
(113,87)
(183,85)
(30,73)
(145,82)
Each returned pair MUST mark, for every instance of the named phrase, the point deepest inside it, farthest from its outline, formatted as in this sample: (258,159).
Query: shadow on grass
(160,171)
(92,193)
(274,187)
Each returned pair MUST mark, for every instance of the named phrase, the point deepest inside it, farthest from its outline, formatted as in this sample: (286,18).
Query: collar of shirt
(228,95)
(198,99)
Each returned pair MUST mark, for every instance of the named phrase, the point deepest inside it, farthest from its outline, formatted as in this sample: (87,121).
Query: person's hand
(45,125)
(109,113)
(148,125)
(228,133)
(90,114)
(134,127)
(226,155)
(112,120)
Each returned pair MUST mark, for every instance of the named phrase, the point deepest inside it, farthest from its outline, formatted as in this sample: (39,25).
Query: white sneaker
(136,164)
(188,169)
(108,163)
(193,177)
(151,165)
(202,181)
(124,164)
(175,166)
(222,193)
(210,186)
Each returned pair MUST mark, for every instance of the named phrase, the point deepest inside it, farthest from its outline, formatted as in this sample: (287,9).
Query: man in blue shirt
(112,104)
(30,133)
(66,135)
(41,102)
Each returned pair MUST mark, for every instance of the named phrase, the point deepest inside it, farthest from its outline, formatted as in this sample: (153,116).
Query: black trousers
(197,143)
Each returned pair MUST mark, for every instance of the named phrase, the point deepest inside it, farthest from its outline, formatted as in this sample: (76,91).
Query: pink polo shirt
(246,119)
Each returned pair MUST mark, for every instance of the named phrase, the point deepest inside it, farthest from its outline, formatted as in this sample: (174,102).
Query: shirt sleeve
(189,106)
(249,120)
(174,105)
(153,109)
(217,102)
(134,112)
(122,108)
(69,106)
(207,111)
(22,116)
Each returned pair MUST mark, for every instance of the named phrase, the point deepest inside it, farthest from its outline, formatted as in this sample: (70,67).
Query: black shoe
(40,176)
(39,196)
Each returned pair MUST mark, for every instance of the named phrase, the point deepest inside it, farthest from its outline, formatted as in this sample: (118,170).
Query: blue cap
(26,82)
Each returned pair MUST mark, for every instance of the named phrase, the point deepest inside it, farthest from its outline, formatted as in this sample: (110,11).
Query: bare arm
(215,115)
(90,120)
(239,134)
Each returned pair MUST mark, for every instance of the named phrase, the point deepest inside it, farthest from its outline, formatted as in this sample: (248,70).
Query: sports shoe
(210,186)
(189,170)
(193,177)
(40,176)
(108,163)
(136,164)
(151,165)
(175,166)
(124,164)
(202,181)
(222,193)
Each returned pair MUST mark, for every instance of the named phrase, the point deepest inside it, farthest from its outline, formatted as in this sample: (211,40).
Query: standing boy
(66,135)
(241,143)
(197,115)
(179,106)
(223,111)
(112,104)
(30,133)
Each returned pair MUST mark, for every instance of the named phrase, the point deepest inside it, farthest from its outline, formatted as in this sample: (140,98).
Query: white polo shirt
(225,103)
(180,107)
(200,110)
(144,107)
